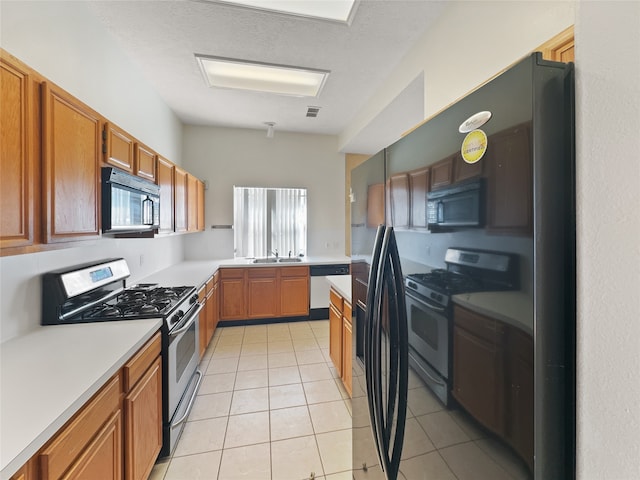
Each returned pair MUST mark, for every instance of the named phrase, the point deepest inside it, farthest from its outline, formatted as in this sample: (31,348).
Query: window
(269,220)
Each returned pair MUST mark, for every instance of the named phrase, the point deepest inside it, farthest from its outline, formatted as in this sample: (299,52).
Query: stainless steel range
(430,312)
(97,292)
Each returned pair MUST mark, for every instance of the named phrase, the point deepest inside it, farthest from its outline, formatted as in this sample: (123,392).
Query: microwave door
(460,210)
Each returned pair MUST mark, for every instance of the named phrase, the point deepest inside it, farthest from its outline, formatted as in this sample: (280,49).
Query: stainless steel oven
(428,327)
(182,374)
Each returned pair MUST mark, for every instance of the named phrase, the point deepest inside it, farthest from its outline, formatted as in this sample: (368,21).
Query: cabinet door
(463,170)
(294,291)
(71,168)
(145,162)
(478,378)
(118,147)
(442,173)
(215,307)
(200,205)
(192,203)
(419,186)
(347,336)
(335,337)
(399,195)
(262,290)
(17,155)
(102,459)
(509,186)
(165,180)
(202,319)
(232,294)
(143,424)
(180,200)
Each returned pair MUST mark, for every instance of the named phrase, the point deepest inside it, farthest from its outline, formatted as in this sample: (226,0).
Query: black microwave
(460,205)
(129,203)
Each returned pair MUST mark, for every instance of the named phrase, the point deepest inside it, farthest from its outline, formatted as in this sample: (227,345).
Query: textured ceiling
(163,36)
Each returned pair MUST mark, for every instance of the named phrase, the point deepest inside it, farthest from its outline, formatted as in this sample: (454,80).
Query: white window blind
(269,220)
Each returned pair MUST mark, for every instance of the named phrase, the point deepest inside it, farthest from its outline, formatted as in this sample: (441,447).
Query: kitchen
(598,438)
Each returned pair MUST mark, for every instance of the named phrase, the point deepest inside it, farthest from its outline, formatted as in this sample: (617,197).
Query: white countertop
(197,272)
(342,284)
(512,308)
(47,375)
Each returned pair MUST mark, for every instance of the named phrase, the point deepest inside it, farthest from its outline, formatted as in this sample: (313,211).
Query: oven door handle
(191,400)
(186,326)
(427,303)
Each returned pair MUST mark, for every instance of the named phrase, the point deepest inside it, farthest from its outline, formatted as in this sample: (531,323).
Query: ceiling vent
(312,112)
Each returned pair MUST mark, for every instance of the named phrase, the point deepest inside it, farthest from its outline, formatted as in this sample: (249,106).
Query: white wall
(247,158)
(608,183)
(467,45)
(63,42)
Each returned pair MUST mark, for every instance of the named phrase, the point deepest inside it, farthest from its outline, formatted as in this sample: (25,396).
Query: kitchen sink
(277,260)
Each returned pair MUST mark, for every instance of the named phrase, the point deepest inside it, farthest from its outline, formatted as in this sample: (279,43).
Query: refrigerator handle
(400,345)
(372,289)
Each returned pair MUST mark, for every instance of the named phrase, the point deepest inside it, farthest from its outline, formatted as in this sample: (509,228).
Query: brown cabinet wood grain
(180,200)
(145,162)
(200,205)
(192,203)
(335,336)
(400,201)
(71,167)
(262,293)
(143,423)
(118,147)
(293,283)
(19,191)
(341,337)
(418,188)
(232,294)
(165,180)
(375,205)
(441,173)
(347,349)
(509,192)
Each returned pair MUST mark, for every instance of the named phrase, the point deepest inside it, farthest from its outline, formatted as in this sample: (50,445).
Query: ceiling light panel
(261,77)
(333,10)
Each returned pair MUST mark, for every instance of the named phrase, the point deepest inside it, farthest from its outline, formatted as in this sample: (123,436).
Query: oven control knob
(194,298)
(176,318)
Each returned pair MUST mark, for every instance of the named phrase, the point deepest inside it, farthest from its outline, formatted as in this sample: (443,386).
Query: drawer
(346,311)
(335,299)
(139,363)
(299,271)
(262,272)
(69,443)
(232,273)
(202,293)
(209,285)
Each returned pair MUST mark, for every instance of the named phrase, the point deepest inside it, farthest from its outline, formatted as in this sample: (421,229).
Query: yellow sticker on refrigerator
(474,146)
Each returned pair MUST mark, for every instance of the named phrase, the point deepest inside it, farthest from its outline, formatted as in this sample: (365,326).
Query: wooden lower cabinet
(263,292)
(335,337)
(347,347)
(115,435)
(340,336)
(143,424)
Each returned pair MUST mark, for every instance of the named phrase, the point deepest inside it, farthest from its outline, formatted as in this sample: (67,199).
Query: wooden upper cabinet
(463,170)
(180,200)
(419,187)
(192,203)
(442,173)
(200,205)
(18,124)
(145,162)
(118,147)
(560,48)
(165,180)
(400,203)
(509,191)
(71,149)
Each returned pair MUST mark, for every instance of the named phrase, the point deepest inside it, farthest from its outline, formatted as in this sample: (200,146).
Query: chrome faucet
(275,254)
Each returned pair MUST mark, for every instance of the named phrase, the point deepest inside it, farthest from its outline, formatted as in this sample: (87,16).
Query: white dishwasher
(319,288)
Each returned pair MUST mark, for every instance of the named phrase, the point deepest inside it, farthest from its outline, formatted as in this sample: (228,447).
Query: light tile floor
(271,406)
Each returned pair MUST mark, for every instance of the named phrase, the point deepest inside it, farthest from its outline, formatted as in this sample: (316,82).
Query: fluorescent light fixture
(261,77)
(332,10)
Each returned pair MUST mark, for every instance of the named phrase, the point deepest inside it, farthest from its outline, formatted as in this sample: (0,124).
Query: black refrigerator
(463,284)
